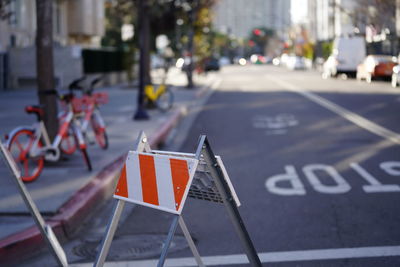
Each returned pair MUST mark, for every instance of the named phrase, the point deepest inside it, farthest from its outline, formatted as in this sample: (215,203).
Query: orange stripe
(180,178)
(122,186)
(64,129)
(149,182)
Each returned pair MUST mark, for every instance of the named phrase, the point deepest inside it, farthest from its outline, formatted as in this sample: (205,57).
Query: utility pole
(45,65)
(144,27)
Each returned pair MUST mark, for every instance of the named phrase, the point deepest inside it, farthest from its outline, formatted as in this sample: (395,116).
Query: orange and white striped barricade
(162,180)
(45,229)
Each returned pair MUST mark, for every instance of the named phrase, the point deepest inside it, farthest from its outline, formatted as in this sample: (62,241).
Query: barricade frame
(45,229)
(218,173)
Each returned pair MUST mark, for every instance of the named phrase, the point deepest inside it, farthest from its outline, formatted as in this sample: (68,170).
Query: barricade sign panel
(157,181)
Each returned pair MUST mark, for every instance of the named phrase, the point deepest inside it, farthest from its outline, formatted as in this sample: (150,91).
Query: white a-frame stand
(44,228)
(207,180)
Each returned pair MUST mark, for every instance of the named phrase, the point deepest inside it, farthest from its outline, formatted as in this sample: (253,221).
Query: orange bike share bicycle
(30,146)
(86,108)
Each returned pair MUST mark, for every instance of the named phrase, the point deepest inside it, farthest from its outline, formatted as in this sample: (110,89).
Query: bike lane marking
(347,114)
(268,257)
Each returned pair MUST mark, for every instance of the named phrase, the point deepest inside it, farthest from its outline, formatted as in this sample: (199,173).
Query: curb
(71,214)
(206,88)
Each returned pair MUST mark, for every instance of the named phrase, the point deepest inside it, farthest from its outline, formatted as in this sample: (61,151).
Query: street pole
(144,26)
(45,65)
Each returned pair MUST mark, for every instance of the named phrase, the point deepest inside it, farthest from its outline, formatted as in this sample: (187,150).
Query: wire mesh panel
(203,187)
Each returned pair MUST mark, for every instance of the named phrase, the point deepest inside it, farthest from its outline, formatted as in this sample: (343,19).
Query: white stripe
(284,256)
(166,197)
(351,116)
(133,178)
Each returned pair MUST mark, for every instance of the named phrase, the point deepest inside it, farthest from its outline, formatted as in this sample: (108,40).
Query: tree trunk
(146,42)
(45,66)
(190,67)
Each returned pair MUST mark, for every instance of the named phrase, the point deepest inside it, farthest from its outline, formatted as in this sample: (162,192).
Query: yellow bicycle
(160,97)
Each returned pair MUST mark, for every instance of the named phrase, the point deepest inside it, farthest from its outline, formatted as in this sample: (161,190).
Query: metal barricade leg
(140,145)
(205,150)
(189,239)
(168,241)
(111,228)
(44,228)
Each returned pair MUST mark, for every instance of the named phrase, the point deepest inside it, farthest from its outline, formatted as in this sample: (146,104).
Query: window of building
(16,10)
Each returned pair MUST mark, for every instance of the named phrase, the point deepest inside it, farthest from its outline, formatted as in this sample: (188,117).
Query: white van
(347,53)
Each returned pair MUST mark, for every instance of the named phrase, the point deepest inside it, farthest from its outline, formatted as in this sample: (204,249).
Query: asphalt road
(314,162)
(309,178)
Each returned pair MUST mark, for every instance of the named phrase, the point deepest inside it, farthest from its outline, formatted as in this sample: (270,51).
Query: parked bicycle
(160,97)
(31,146)
(87,109)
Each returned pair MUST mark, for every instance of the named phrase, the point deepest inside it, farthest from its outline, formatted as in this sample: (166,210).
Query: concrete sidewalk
(66,192)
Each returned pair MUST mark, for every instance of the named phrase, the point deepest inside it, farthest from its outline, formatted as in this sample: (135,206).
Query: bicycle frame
(31,146)
(86,108)
(90,111)
(51,151)
(154,94)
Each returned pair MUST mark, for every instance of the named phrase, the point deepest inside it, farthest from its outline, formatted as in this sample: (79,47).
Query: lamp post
(144,26)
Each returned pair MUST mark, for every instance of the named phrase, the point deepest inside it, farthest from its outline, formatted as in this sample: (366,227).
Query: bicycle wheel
(80,141)
(99,130)
(19,145)
(67,145)
(165,101)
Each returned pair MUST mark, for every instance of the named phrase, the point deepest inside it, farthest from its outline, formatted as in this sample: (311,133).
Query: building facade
(76,24)
(328,19)
(379,24)
(321,20)
(239,17)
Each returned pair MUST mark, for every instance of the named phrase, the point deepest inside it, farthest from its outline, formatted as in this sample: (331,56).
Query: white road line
(285,256)
(347,114)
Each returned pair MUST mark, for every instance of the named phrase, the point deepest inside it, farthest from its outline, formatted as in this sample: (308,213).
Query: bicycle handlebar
(75,85)
(66,97)
(95,81)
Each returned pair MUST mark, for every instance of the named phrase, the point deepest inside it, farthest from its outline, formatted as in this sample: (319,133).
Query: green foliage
(117,13)
(163,20)
(308,51)
(327,48)
(203,34)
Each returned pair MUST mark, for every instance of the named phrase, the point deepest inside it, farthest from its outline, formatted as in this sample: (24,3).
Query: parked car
(284,59)
(258,59)
(298,63)
(211,64)
(375,66)
(347,53)
(223,61)
(396,76)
